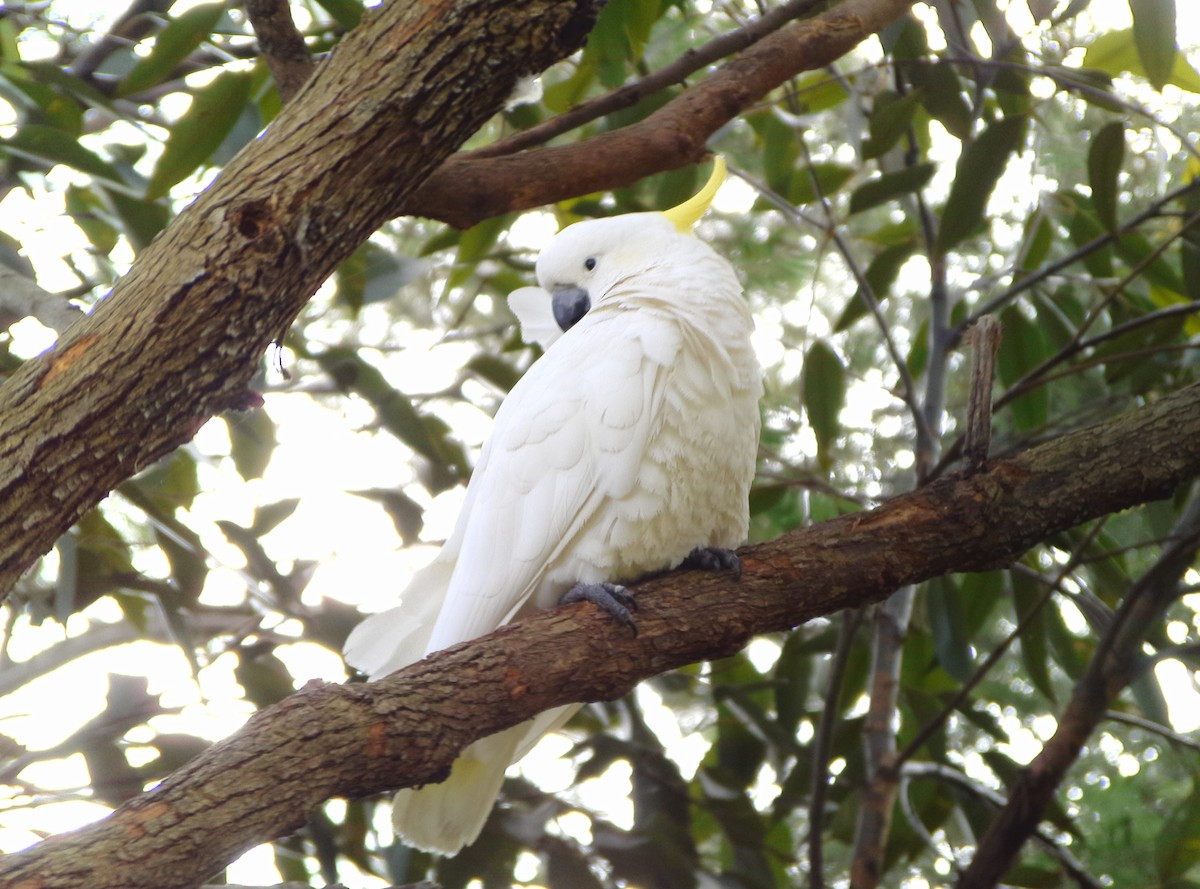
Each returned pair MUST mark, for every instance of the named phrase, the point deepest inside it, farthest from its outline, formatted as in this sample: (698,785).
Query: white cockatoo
(628,447)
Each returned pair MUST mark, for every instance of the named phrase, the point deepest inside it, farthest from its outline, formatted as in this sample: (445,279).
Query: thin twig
(892,619)
(1160,730)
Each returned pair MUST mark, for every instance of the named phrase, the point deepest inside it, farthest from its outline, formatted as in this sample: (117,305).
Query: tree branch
(469,188)
(353,740)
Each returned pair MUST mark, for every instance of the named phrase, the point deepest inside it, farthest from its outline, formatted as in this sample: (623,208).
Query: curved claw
(610,597)
(713,558)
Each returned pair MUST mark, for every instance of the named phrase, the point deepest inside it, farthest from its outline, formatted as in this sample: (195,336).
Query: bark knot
(253,219)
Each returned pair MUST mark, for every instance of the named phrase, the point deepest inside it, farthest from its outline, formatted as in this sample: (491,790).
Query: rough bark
(183,332)
(353,740)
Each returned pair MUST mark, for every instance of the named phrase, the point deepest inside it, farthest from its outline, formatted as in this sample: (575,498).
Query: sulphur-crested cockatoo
(628,447)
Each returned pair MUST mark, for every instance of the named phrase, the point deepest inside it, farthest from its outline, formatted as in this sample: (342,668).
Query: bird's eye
(589,263)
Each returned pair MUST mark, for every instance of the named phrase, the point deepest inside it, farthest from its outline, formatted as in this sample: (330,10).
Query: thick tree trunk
(183,332)
(353,740)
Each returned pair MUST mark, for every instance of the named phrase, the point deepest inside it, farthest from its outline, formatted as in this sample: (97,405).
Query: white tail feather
(445,817)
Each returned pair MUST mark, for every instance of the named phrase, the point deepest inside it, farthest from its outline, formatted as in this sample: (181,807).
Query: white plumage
(628,444)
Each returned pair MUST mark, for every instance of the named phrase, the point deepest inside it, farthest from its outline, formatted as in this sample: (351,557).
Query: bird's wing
(568,441)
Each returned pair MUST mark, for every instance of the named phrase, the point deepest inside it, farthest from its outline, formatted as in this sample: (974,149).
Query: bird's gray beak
(569,304)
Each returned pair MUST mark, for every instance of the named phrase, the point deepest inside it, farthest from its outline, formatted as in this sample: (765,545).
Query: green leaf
(1035,241)
(780,150)
(979,169)
(1032,876)
(90,214)
(10,50)
(373,274)
(347,13)
(948,626)
(941,94)
(917,359)
(1154,36)
(425,435)
(39,102)
(829,177)
(1140,252)
(200,132)
(174,43)
(1022,347)
(496,371)
(251,441)
(171,483)
(883,188)
(406,514)
(189,567)
(50,146)
(1083,228)
(1032,643)
(1104,164)
(889,121)
(1117,52)
(269,517)
(880,274)
(619,36)
(818,91)
(473,246)
(792,679)
(142,219)
(92,556)
(823,383)
(559,97)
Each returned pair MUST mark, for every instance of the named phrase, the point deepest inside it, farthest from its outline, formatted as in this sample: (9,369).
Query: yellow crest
(687,214)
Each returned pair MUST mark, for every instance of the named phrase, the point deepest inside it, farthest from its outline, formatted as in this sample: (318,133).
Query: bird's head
(586,260)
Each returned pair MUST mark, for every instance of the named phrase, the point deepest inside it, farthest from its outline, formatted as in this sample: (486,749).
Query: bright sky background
(350,537)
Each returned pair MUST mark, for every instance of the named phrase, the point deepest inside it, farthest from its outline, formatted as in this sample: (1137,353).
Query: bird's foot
(713,558)
(610,597)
